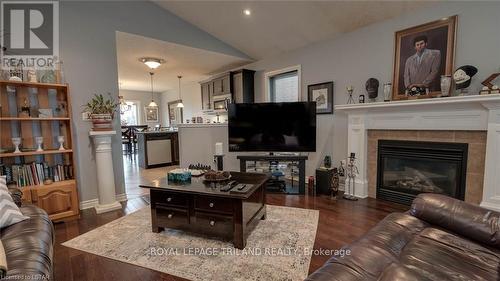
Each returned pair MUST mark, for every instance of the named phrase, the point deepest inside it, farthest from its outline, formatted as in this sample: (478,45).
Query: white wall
(368,52)
(191,98)
(145,98)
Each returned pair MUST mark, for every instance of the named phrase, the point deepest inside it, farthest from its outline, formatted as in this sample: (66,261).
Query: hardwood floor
(340,222)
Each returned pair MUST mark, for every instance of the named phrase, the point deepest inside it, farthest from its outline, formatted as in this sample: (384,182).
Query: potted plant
(101,112)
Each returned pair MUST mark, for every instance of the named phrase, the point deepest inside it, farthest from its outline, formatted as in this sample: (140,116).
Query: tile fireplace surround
(468,119)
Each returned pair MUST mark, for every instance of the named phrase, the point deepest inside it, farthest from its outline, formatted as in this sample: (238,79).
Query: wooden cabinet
(30,170)
(206,98)
(226,84)
(59,200)
(243,87)
(237,83)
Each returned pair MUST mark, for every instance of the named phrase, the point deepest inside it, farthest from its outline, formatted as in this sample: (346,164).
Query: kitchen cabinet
(243,87)
(238,84)
(158,149)
(206,98)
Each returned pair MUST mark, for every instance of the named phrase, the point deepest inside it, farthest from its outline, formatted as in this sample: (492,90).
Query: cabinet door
(205,96)
(217,87)
(238,88)
(59,200)
(226,84)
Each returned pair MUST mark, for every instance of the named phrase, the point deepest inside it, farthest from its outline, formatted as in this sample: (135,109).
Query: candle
(218,149)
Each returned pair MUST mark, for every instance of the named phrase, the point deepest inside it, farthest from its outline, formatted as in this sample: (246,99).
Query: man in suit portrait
(422,68)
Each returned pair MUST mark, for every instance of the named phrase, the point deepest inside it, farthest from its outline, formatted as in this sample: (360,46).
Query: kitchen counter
(201,125)
(158,148)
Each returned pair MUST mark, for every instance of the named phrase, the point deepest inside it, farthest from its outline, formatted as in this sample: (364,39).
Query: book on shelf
(35,173)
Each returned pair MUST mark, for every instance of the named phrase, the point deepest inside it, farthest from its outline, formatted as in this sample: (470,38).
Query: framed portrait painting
(422,55)
(151,114)
(322,94)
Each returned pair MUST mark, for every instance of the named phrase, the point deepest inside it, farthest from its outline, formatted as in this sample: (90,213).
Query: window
(130,116)
(284,85)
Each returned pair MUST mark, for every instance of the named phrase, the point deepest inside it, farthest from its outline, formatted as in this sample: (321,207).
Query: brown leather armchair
(29,244)
(440,238)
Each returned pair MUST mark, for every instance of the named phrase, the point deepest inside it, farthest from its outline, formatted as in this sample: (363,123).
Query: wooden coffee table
(201,207)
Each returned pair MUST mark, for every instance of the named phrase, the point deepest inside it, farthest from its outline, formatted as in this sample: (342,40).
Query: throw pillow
(9,212)
(3,261)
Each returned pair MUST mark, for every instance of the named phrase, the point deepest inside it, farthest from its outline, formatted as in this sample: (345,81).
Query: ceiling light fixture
(152,63)
(180,104)
(152,103)
(247,12)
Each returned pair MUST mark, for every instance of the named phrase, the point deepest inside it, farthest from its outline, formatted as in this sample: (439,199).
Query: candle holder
(39,141)
(16,142)
(60,139)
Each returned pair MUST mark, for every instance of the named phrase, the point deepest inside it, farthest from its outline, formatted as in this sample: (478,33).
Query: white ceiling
(280,26)
(193,64)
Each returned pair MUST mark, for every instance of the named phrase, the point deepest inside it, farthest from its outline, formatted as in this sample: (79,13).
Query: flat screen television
(272,127)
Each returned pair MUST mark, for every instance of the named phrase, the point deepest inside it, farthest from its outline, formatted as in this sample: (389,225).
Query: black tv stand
(301,159)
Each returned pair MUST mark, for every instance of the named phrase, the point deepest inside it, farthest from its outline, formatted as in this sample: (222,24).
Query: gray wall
(145,98)
(368,52)
(88,49)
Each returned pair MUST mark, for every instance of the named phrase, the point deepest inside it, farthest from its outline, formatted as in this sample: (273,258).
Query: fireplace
(407,168)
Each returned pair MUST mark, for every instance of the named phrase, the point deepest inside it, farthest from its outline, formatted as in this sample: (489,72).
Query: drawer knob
(170,216)
(169,199)
(211,205)
(212,223)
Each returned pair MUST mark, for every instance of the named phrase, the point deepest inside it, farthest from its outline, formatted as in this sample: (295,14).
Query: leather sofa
(29,244)
(440,238)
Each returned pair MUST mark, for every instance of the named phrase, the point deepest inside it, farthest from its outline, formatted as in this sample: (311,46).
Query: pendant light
(152,103)
(180,104)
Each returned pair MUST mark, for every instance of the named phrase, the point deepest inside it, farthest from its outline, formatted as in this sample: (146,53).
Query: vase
(60,139)
(387,92)
(39,141)
(16,142)
(102,122)
(445,85)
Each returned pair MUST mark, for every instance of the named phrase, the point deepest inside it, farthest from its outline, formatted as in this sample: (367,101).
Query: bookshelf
(30,170)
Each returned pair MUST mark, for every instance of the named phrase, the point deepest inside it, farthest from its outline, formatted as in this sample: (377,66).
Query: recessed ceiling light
(247,12)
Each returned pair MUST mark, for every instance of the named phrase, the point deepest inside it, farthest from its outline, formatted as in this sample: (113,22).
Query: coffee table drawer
(171,217)
(169,198)
(211,204)
(213,224)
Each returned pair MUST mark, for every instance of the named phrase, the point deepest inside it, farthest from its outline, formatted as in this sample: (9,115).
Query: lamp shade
(152,104)
(180,105)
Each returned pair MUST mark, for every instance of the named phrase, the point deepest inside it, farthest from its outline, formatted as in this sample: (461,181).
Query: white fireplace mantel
(453,113)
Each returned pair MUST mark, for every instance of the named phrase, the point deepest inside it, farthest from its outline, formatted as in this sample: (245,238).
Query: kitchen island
(158,148)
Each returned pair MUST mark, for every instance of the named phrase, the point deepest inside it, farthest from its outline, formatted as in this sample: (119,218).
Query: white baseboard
(93,202)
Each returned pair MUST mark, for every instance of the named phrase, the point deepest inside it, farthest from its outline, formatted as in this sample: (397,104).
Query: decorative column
(105,173)
(491,187)
(357,141)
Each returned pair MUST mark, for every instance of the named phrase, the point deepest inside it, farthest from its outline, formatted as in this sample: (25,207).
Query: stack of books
(35,173)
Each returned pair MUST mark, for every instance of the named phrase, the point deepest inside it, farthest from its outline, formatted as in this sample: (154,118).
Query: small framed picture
(322,94)
(151,114)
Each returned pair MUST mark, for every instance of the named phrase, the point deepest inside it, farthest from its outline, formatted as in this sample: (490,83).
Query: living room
(338,161)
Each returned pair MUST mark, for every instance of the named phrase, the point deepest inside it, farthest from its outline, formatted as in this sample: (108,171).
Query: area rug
(279,248)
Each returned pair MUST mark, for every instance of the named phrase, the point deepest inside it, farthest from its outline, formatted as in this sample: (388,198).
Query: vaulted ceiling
(275,27)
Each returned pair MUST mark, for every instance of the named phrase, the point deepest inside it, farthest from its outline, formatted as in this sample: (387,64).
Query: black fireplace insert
(408,168)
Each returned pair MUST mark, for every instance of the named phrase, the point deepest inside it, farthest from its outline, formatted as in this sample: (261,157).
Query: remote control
(229,186)
(242,186)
